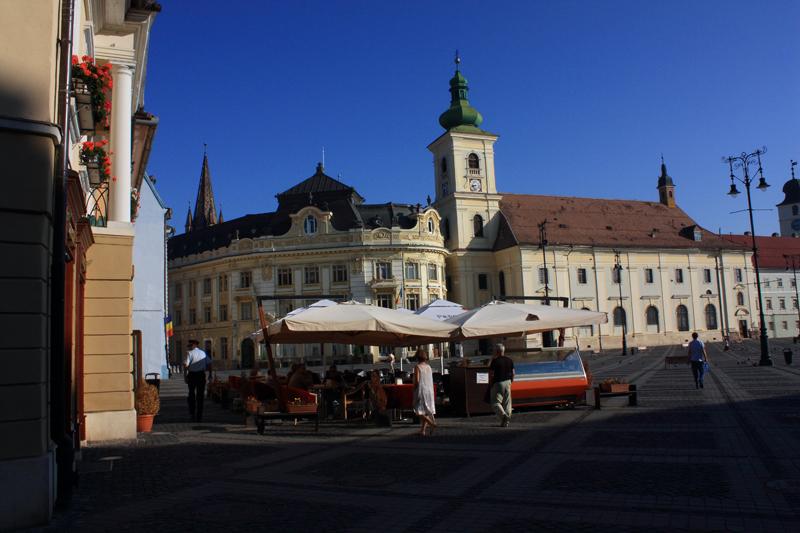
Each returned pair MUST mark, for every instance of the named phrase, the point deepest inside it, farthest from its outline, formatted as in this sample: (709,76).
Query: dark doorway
(248,353)
(743,329)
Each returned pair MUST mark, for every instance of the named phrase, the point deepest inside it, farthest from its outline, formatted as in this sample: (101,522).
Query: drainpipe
(61,430)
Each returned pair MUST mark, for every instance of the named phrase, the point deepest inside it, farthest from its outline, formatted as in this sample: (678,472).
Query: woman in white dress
(424,400)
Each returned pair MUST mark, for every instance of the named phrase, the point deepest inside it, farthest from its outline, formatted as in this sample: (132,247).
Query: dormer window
(473,162)
(697,235)
(310,225)
(430,225)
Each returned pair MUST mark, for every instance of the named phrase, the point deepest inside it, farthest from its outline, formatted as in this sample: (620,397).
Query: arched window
(430,225)
(444,165)
(473,161)
(682,314)
(652,316)
(794,209)
(711,317)
(739,298)
(619,317)
(477,225)
(501,277)
(310,225)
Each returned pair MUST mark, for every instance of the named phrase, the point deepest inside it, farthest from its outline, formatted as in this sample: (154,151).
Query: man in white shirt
(195,365)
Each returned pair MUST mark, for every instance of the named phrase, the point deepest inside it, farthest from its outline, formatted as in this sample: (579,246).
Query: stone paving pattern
(724,458)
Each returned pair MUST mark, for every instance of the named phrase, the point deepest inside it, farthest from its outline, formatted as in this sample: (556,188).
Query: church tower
(666,188)
(789,208)
(205,214)
(466,195)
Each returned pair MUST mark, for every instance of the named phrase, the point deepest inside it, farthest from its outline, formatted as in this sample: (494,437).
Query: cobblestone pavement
(724,458)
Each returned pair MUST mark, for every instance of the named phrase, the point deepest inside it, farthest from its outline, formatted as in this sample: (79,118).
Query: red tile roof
(770,249)
(600,222)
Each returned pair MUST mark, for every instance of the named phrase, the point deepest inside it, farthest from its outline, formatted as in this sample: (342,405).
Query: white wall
(148,282)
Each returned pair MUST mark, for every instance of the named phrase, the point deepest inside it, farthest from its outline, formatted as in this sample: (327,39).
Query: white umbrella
(440,310)
(357,323)
(320,303)
(502,319)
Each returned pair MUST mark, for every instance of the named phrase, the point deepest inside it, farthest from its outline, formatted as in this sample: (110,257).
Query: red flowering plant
(94,156)
(98,82)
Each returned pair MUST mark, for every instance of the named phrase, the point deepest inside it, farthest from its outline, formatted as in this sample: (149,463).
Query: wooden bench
(676,360)
(262,417)
(633,396)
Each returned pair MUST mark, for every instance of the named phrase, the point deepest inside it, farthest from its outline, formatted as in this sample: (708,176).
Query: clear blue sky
(585,96)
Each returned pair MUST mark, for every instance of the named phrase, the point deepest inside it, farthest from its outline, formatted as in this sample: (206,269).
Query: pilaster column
(120,190)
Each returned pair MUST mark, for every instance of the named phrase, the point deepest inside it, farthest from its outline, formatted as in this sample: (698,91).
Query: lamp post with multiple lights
(624,316)
(743,162)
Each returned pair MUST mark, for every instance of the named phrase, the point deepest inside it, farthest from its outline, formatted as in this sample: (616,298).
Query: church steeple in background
(205,213)
(666,188)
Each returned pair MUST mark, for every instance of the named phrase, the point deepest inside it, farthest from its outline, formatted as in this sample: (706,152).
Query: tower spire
(188,225)
(666,187)
(460,113)
(205,214)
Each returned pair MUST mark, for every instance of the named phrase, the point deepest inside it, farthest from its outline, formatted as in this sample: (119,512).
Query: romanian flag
(168,326)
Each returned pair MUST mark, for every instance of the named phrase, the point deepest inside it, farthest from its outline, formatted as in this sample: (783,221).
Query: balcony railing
(474,172)
(97,205)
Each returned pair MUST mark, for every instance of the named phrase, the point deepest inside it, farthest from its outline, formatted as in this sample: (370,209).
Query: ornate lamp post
(743,162)
(618,268)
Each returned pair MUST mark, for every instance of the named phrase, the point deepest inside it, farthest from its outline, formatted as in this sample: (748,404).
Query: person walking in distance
(195,366)
(502,370)
(698,359)
(424,399)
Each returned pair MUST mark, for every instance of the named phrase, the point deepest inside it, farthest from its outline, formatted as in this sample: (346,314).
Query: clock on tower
(475,185)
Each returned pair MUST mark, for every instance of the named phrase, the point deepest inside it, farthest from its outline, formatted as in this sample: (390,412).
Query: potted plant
(134,203)
(614,385)
(147,406)
(92,83)
(97,161)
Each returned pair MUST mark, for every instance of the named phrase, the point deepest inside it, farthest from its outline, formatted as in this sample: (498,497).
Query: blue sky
(585,96)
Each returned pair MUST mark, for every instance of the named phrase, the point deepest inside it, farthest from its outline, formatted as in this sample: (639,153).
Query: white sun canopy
(440,310)
(502,319)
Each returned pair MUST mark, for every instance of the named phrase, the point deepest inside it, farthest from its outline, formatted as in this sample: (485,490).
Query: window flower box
(91,85)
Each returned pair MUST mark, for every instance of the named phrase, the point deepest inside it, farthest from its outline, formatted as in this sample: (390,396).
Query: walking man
(195,365)
(502,368)
(698,358)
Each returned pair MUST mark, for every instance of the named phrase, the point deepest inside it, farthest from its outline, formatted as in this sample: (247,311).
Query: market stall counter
(551,376)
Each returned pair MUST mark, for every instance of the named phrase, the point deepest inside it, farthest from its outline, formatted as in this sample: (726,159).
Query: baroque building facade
(322,242)
(675,277)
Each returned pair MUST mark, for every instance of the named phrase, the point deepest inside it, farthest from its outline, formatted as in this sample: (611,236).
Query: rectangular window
(384,300)
(706,275)
(433,272)
(223,347)
(412,270)
(766,283)
(412,302)
(616,274)
(769,304)
(192,289)
(206,286)
(794,303)
(207,314)
(648,275)
(311,275)
(223,313)
(383,270)
(483,282)
(737,275)
(245,311)
(178,317)
(785,324)
(780,282)
(178,291)
(192,316)
(678,275)
(339,273)
(582,276)
(222,283)
(284,277)
(544,278)
(245,279)
(781,303)
(772,326)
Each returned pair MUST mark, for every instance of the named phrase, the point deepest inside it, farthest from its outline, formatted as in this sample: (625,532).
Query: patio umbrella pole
(270,359)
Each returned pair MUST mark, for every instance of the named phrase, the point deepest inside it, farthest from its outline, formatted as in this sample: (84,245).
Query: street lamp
(618,268)
(795,262)
(743,161)
(543,246)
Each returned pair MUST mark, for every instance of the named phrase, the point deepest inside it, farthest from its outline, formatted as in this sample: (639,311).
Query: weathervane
(793,164)
(457,60)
